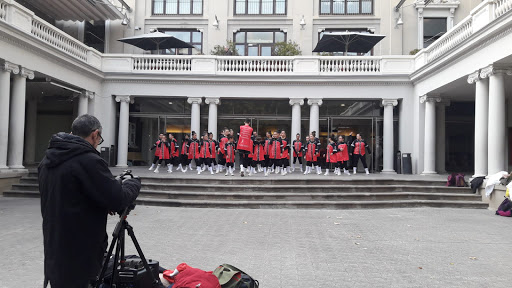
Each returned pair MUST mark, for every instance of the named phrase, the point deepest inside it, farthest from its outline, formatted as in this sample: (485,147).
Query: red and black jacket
(342,154)
(267,147)
(285,148)
(222,143)
(330,155)
(193,149)
(229,151)
(275,148)
(259,151)
(162,149)
(175,149)
(360,147)
(205,149)
(184,146)
(213,147)
(297,148)
(311,151)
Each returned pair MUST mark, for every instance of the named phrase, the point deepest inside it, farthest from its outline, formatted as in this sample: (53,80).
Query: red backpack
(451,180)
(459,180)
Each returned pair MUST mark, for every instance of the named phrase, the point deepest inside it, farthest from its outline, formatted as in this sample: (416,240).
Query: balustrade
(502,7)
(162,63)
(347,65)
(459,33)
(255,64)
(3,10)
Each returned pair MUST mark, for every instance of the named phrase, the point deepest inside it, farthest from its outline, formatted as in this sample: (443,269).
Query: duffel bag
(232,277)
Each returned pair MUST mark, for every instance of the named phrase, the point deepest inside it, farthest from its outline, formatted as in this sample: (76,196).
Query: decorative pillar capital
(194,100)
(318,102)
(493,70)
(210,100)
(295,101)
(430,98)
(389,102)
(88,94)
(474,77)
(26,73)
(124,98)
(10,67)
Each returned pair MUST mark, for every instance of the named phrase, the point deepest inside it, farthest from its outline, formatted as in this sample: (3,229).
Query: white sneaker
(355,170)
(326,173)
(156,169)
(227,173)
(367,172)
(152,167)
(346,171)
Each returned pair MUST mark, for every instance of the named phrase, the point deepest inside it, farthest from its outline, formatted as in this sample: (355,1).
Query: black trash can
(406,163)
(105,154)
(398,162)
(113,156)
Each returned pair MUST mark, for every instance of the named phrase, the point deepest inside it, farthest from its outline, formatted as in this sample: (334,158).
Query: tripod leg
(156,281)
(116,258)
(105,262)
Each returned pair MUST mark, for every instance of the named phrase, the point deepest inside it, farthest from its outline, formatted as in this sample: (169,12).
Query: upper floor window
(433,29)
(258,43)
(260,7)
(192,37)
(346,7)
(177,7)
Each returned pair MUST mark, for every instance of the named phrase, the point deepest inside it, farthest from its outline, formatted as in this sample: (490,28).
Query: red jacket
(184,146)
(213,145)
(275,149)
(244,141)
(342,154)
(285,148)
(297,147)
(175,149)
(311,152)
(193,149)
(205,149)
(162,150)
(222,143)
(360,147)
(229,151)
(259,152)
(330,155)
(267,147)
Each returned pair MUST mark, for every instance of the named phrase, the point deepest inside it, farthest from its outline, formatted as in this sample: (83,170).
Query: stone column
(17,119)
(195,115)
(212,115)
(497,119)
(429,163)
(83,103)
(481,122)
(441,136)
(314,115)
(5,92)
(296,116)
(90,106)
(388,136)
(420,28)
(30,130)
(122,140)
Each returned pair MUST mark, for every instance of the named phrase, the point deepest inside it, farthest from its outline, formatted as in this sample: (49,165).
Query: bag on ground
(451,180)
(232,277)
(459,180)
(505,208)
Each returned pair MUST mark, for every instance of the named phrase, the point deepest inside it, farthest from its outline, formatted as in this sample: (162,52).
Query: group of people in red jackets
(269,155)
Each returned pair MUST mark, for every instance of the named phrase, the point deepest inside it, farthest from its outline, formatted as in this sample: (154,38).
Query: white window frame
(436,9)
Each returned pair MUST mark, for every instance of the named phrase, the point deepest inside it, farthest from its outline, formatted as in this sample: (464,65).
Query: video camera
(127,271)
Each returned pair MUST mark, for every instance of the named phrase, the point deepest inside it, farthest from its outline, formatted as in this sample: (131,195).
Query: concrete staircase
(298,192)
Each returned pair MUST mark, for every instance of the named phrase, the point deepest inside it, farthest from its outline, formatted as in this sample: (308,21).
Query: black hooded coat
(77,192)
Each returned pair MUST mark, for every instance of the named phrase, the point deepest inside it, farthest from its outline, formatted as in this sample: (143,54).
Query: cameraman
(77,192)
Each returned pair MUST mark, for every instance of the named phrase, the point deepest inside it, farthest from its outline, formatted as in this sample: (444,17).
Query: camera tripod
(118,241)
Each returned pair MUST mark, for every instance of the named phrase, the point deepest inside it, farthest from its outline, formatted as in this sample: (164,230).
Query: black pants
(267,161)
(275,162)
(213,161)
(155,159)
(165,161)
(205,161)
(285,162)
(222,160)
(343,164)
(230,164)
(184,160)
(295,160)
(244,158)
(356,158)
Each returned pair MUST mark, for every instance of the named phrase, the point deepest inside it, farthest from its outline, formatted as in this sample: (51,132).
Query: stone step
(220,179)
(341,187)
(25,187)
(306,196)
(21,193)
(310,204)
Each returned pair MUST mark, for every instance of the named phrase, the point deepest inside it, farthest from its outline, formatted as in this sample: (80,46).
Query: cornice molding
(27,73)
(474,77)
(494,70)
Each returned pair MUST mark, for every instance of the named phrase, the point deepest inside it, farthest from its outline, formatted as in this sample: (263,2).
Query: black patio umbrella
(347,42)
(155,41)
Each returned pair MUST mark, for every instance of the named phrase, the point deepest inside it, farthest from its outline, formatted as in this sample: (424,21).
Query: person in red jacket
(330,156)
(174,153)
(297,147)
(229,152)
(311,151)
(162,149)
(214,146)
(285,155)
(244,146)
(258,156)
(205,154)
(222,157)
(266,148)
(275,152)
(343,156)
(360,148)
(193,151)
(157,157)
(184,162)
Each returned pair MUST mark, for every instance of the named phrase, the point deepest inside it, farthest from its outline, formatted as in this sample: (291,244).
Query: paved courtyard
(420,247)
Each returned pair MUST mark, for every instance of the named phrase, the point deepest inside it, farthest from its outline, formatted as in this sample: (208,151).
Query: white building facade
(447,105)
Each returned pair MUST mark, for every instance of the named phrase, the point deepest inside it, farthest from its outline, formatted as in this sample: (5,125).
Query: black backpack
(232,277)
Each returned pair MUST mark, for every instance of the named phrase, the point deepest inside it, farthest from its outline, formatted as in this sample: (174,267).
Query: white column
(17,119)
(388,136)
(481,122)
(212,114)
(497,125)
(314,115)
(5,92)
(420,28)
(83,103)
(122,140)
(195,114)
(90,106)
(296,116)
(441,136)
(429,149)
(30,130)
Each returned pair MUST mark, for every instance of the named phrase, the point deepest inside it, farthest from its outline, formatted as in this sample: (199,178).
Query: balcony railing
(345,65)
(502,7)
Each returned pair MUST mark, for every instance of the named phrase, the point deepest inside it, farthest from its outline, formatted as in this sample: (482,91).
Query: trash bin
(398,162)
(406,163)
(113,156)
(105,154)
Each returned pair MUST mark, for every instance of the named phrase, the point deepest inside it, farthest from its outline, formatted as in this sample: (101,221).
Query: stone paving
(421,247)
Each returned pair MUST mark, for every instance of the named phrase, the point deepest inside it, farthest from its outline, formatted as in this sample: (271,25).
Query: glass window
(433,28)
(280,37)
(346,7)
(260,37)
(177,7)
(257,43)
(260,7)
(193,37)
